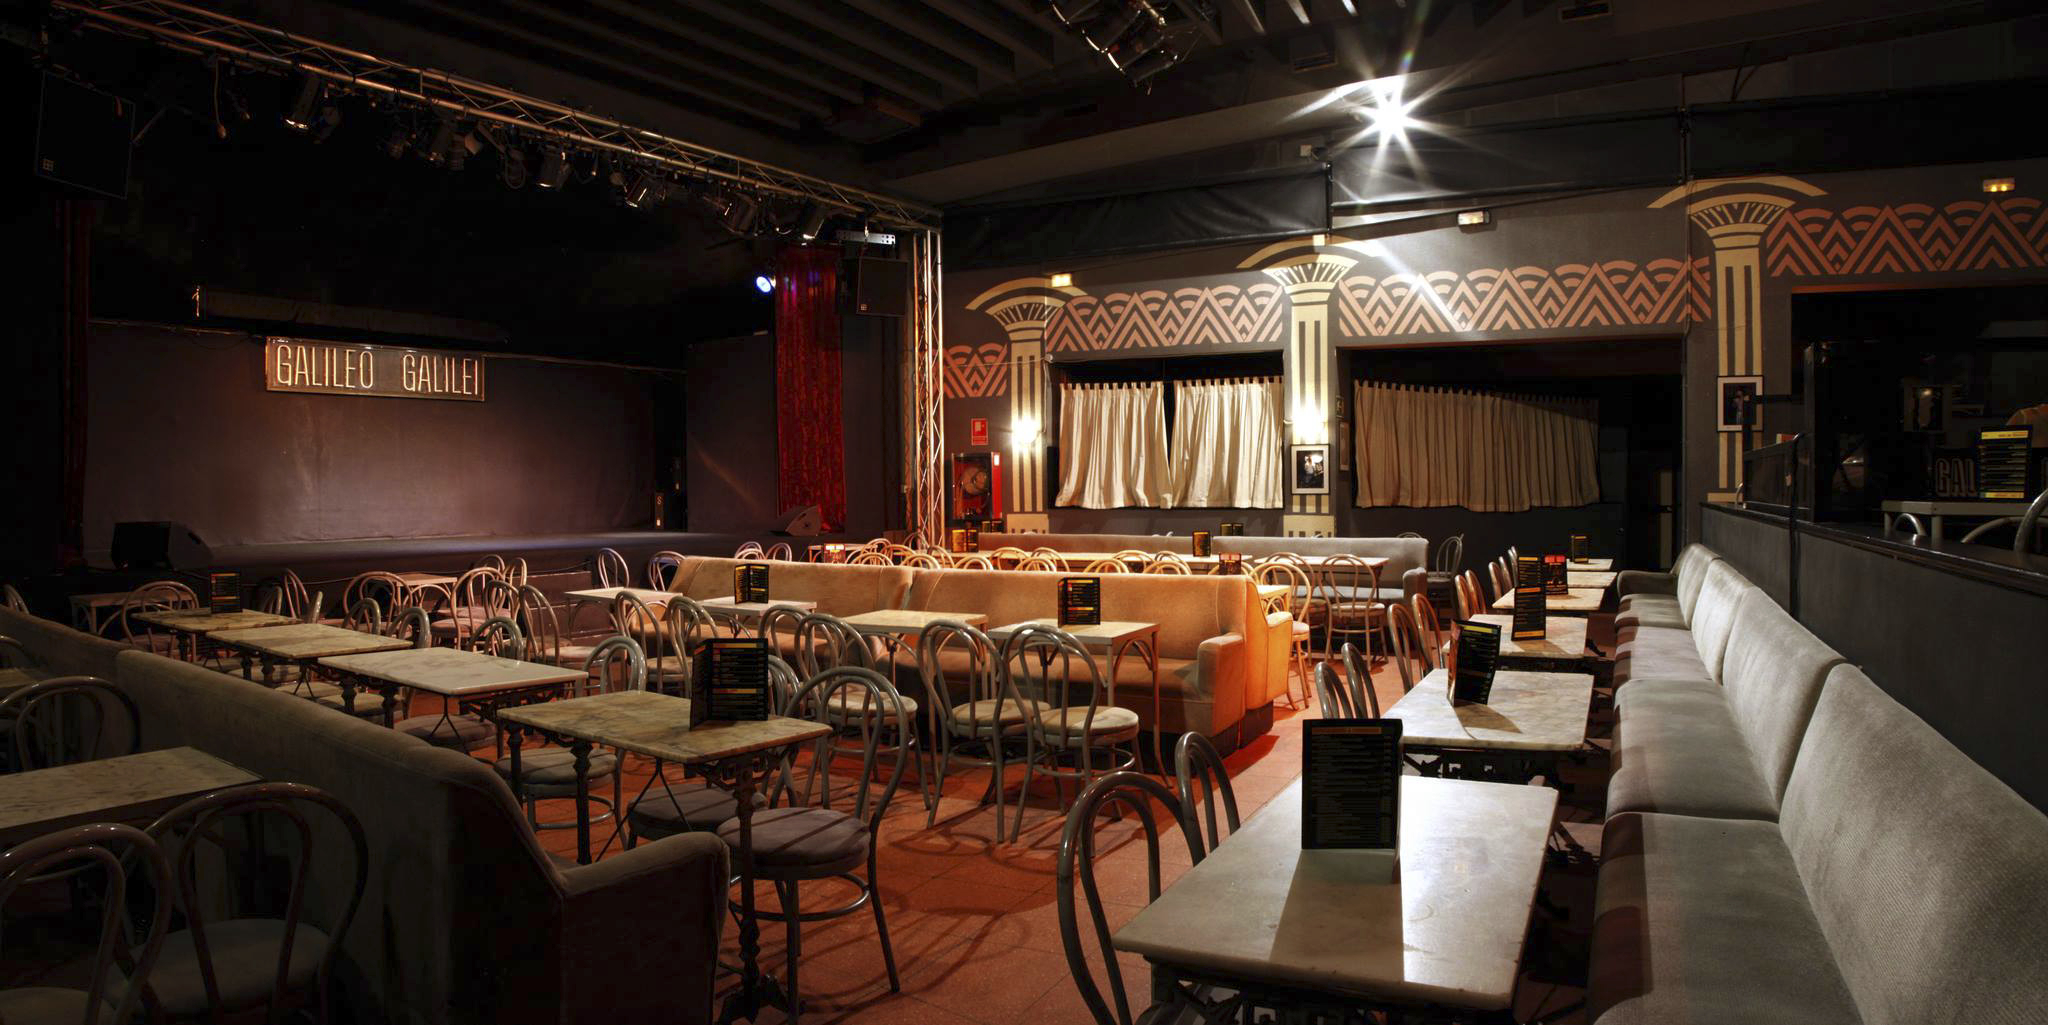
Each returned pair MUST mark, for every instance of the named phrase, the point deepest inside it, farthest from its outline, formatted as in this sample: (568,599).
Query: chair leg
(882,927)
(793,926)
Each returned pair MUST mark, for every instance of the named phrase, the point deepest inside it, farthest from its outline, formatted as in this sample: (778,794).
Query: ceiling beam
(782,90)
(864,30)
(991,59)
(1210,31)
(1032,45)
(846,87)
(879,70)
(1300,9)
(1250,14)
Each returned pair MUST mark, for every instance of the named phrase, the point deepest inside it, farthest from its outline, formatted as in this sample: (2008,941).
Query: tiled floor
(975,925)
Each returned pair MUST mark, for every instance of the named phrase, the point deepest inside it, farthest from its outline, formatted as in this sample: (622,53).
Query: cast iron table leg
(580,751)
(756,990)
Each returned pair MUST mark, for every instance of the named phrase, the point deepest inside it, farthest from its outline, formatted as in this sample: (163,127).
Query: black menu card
(1201,543)
(731,681)
(1472,672)
(1351,784)
(1581,548)
(1080,601)
(224,592)
(1230,530)
(966,539)
(1530,603)
(1554,579)
(1229,563)
(750,582)
(991,526)
(2002,463)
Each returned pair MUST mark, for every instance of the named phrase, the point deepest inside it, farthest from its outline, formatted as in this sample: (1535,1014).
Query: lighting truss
(192,29)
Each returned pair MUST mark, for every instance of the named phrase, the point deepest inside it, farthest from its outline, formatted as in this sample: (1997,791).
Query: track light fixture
(813,223)
(512,170)
(305,106)
(645,189)
(554,168)
(1130,34)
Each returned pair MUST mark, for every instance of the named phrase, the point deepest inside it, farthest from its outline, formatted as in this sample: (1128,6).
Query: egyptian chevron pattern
(1154,319)
(977,372)
(1603,294)
(1910,238)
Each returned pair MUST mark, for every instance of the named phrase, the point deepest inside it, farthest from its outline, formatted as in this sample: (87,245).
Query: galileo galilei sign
(344,368)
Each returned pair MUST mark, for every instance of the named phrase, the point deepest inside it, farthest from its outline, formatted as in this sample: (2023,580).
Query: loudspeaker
(808,521)
(881,288)
(158,544)
(82,137)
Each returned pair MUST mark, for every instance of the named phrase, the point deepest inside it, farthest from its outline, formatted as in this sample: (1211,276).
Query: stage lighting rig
(1133,35)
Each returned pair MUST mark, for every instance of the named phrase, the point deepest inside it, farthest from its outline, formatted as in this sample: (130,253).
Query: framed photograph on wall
(1738,402)
(1308,469)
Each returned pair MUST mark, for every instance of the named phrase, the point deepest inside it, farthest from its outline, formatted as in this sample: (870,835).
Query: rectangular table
(300,644)
(486,683)
(126,789)
(190,624)
(740,613)
(1528,720)
(86,608)
(1259,913)
(738,756)
(1577,601)
(1562,649)
(1590,565)
(1589,578)
(648,596)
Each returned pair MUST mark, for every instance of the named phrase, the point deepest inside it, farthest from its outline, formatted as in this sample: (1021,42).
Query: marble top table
(418,580)
(1530,712)
(726,605)
(1576,601)
(473,679)
(301,642)
(647,595)
(1593,565)
(201,621)
(12,680)
(893,622)
(86,608)
(1564,637)
(1589,579)
(125,789)
(1447,932)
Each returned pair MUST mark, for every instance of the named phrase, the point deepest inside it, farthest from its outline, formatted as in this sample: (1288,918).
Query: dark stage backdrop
(181,428)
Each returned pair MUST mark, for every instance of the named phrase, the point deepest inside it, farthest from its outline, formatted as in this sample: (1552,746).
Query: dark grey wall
(871,402)
(729,453)
(1962,653)
(1762,550)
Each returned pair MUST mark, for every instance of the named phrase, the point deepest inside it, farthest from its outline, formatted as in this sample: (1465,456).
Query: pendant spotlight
(1131,34)
(306,106)
(813,223)
(554,169)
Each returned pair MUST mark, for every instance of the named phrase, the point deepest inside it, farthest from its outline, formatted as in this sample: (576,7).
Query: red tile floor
(975,926)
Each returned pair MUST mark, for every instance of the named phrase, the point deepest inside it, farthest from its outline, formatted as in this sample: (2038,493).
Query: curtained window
(1113,446)
(1227,444)
(1487,452)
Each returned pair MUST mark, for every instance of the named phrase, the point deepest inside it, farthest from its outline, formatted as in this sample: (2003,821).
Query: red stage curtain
(809,437)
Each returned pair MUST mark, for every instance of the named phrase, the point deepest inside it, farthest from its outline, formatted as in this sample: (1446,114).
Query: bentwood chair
(793,844)
(749,550)
(1349,588)
(781,551)
(666,809)
(117,854)
(492,561)
(662,568)
(963,684)
(1040,563)
(1107,564)
(363,617)
(973,560)
(386,589)
(157,596)
(474,599)
(871,557)
(668,664)
(1169,563)
(1406,644)
(1198,769)
(1450,554)
(249,939)
(1081,733)
(608,569)
(923,560)
(66,720)
(1365,701)
(1333,693)
(1117,795)
(1429,624)
(689,624)
(450,729)
(546,643)
(13,599)
(1471,602)
(1298,604)
(826,642)
(550,772)
(1503,578)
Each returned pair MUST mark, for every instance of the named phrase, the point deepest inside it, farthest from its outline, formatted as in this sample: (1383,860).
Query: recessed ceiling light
(1998,184)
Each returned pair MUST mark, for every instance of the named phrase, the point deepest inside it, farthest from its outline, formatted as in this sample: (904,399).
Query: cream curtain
(1227,444)
(1113,446)
(1486,452)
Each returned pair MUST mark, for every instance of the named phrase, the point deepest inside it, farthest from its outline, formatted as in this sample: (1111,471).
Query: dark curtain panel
(809,443)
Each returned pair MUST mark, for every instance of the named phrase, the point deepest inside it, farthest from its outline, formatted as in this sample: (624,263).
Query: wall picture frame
(1308,469)
(1735,394)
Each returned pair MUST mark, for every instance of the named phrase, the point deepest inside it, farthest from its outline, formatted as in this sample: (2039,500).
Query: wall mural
(1910,238)
(1601,294)
(977,371)
(1155,319)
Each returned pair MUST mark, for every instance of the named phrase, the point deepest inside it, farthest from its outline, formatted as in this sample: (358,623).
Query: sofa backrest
(1772,672)
(60,650)
(1691,573)
(1713,616)
(839,589)
(1179,545)
(1924,871)
(1188,609)
(459,892)
(1402,553)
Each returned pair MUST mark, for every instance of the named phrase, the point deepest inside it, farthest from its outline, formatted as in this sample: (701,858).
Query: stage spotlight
(643,190)
(764,283)
(739,215)
(513,172)
(813,223)
(399,140)
(306,107)
(554,168)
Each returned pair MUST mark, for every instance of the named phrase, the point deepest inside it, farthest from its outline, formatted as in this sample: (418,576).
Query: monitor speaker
(881,288)
(158,544)
(808,521)
(82,137)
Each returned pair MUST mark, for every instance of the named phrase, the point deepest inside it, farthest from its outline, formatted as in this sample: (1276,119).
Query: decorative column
(1023,306)
(1735,213)
(1309,269)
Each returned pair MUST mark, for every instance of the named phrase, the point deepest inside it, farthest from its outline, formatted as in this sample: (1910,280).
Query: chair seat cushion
(853,701)
(369,704)
(680,807)
(977,716)
(802,843)
(243,953)
(1706,920)
(1655,652)
(555,766)
(459,732)
(1678,751)
(1650,610)
(1071,723)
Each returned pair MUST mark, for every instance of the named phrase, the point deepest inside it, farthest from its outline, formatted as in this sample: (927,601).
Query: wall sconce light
(1024,432)
(1319,240)
(1473,218)
(1998,184)
(1311,426)
(1062,280)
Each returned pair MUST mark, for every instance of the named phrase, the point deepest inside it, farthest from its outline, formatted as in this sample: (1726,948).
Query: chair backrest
(516,571)
(1040,664)
(69,719)
(369,585)
(1471,601)
(298,604)
(781,551)
(155,596)
(982,675)
(974,560)
(883,713)
(499,636)
(117,851)
(1332,697)
(687,624)
(1009,553)
(633,618)
(662,567)
(923,560)
(1143,797)
(1406,641)
(1503,578)
(1429,626)
(1450,554)
(1358,680)
(195,836)
(543,627)
(475,599)
(365,616)
(409,622)
(1198,768)
(608,568)
(749,550)
(1287,570)
(778,621)
(1167,562)
(12,598)
(1346,578)
(826,642)
(616,663)
(1107,565)
(1038,563)
(871,557)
